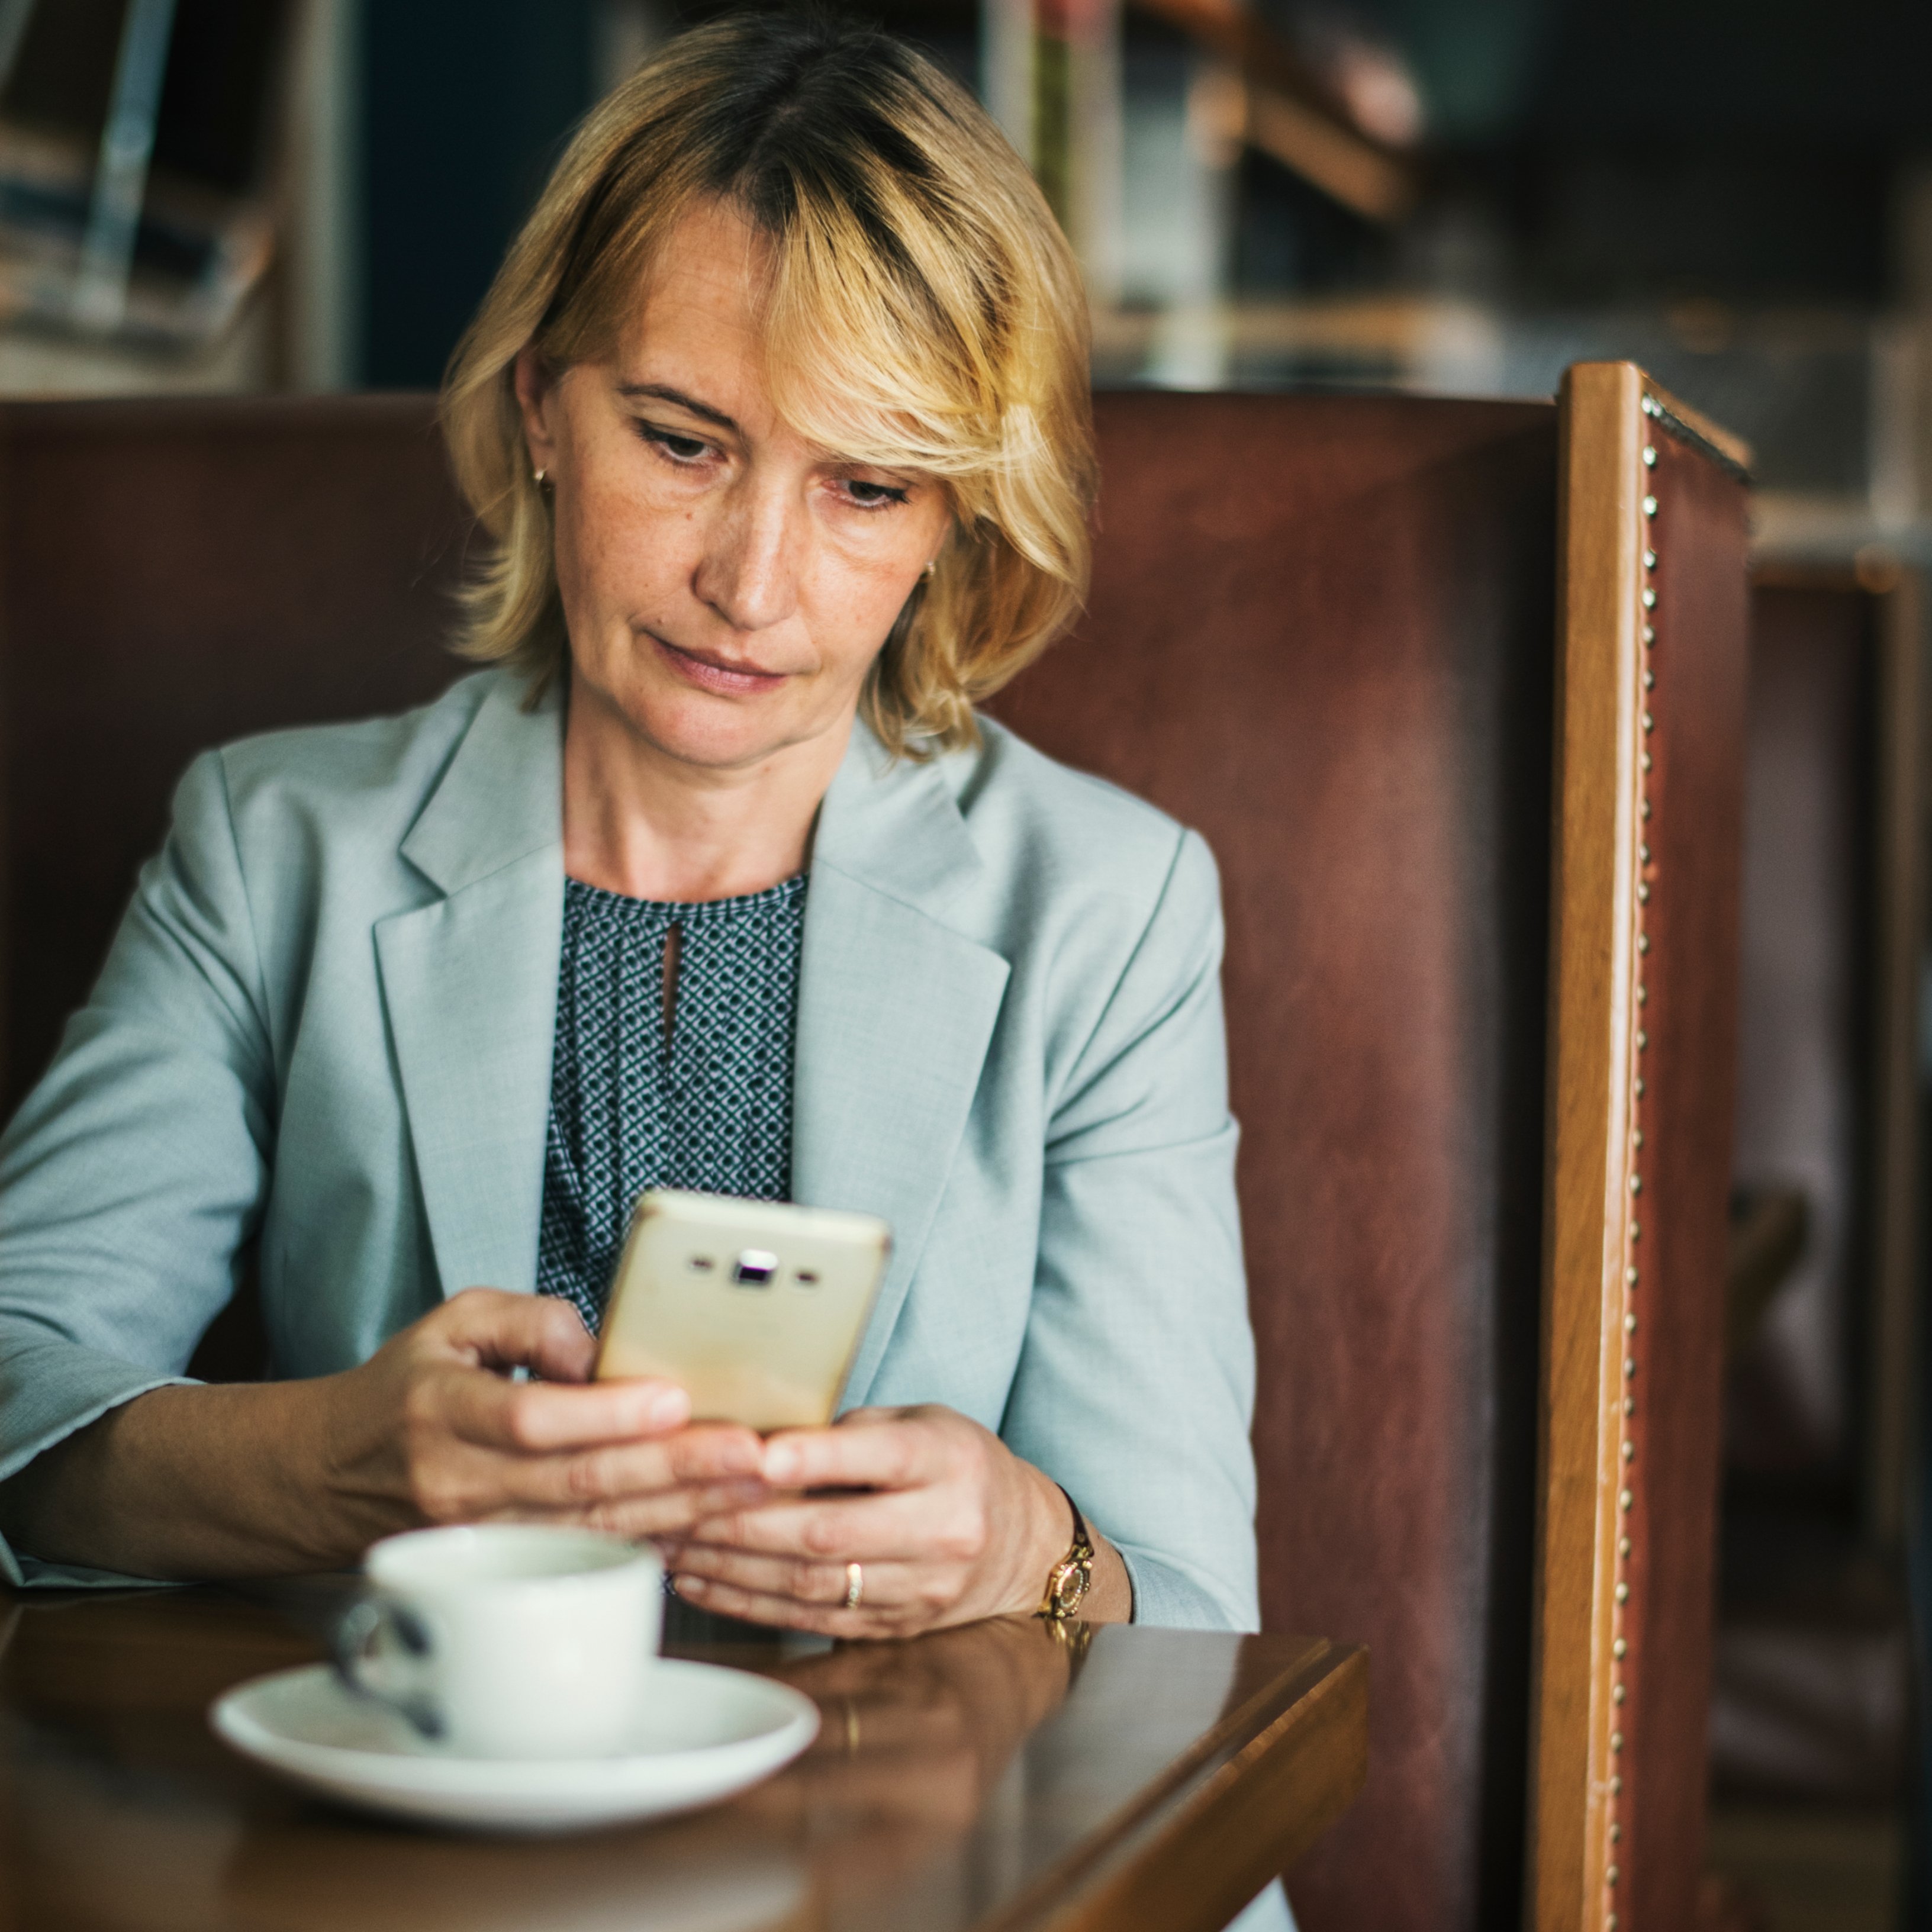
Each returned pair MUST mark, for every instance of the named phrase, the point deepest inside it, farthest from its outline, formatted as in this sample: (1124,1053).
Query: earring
(932,566)
(537,477)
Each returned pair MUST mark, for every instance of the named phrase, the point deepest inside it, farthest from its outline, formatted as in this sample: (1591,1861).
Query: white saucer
(702,1733)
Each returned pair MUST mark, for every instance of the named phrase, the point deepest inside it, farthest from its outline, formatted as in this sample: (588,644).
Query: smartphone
(755,1308)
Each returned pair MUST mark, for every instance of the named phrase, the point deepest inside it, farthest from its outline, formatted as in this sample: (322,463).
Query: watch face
(1069,1586)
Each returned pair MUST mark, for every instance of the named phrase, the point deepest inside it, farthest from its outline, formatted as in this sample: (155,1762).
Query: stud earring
(537,477)
(932,565)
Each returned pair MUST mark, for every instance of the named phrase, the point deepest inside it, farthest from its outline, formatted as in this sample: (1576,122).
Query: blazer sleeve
(135,1171)
(1136,1384)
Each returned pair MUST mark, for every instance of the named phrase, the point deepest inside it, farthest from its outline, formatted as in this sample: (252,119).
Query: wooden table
(992,1776)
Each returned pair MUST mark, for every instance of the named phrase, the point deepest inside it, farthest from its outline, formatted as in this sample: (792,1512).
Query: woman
(777,413)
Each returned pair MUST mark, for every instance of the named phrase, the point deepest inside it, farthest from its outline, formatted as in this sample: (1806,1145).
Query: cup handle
(354,1647)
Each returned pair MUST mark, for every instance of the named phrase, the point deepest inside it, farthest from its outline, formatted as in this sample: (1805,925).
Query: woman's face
(726,584)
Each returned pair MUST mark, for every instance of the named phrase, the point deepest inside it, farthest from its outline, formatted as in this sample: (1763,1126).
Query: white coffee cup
(508,1640)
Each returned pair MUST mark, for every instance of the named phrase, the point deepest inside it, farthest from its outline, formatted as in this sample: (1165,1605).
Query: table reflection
(125,1811)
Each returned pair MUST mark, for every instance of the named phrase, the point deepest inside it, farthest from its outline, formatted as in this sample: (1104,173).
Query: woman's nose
(750,569)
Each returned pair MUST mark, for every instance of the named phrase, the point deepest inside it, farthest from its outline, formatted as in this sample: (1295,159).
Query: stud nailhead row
(1647,594)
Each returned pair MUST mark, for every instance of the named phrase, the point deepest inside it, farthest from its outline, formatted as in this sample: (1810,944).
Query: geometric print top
(708,1107)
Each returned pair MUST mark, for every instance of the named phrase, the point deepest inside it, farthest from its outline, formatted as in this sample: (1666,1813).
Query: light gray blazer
(327,1015)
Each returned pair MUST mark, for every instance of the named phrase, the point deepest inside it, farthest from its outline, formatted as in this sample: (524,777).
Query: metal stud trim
(1648,602)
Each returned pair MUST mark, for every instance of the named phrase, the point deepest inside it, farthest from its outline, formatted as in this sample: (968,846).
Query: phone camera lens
(755,1268)
(807,1277)
(700,1264)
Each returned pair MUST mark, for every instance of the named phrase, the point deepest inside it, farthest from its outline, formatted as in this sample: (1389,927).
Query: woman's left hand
(949,1525)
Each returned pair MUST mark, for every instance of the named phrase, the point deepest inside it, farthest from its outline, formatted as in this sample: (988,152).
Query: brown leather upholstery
(172,575)
(1321,632)
(1812,1696)
(1804,1103)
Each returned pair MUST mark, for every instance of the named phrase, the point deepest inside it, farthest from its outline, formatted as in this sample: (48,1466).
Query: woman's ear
(536,391)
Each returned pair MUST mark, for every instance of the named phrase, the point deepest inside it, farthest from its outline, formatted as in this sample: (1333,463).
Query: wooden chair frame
(1642,907)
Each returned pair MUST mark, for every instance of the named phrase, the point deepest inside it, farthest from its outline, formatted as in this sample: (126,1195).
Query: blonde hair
(921,310)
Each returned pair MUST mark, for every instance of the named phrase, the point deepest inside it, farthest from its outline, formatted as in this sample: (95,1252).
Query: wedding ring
(855,1585)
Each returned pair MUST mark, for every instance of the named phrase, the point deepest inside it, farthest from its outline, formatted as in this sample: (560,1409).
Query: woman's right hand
(432,1429)
(246,1479)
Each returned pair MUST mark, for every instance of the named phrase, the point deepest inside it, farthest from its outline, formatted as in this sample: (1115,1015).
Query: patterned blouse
(704,1102)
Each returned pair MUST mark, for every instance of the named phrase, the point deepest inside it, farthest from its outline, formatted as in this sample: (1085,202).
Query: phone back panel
(754,1307)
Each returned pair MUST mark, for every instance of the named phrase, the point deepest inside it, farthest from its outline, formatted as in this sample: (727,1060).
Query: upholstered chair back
(1331,632)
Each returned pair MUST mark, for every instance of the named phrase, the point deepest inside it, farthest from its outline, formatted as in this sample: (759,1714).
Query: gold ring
(855,1585)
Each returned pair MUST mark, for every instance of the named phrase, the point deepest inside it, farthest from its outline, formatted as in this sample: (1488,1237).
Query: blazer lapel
(895,1010)
(469,985)
(896,1006)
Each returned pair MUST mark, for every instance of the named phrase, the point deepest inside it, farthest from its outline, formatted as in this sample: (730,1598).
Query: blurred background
(1455,196)
(1451,195)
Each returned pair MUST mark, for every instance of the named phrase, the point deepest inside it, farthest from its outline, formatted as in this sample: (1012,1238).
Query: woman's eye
(679,448)
(872,496)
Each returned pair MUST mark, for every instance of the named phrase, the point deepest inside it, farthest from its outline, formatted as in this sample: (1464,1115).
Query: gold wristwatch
(1071,1577)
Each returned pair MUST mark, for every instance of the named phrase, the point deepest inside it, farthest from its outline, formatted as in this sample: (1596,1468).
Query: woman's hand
(430,1430)
(250,1479)
(950,1525)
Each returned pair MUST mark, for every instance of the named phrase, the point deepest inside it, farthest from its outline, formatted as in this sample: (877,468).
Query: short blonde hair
(921,310)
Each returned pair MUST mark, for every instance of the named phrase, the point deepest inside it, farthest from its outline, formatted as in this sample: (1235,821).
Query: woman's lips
(708,674)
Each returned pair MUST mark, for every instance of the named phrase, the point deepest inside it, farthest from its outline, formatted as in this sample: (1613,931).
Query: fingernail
(781,1462)
(688,1586)
(667,1407)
